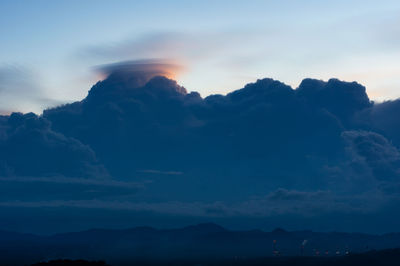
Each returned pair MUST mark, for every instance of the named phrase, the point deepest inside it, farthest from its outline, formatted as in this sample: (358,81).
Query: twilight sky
(253,139)
(50,50)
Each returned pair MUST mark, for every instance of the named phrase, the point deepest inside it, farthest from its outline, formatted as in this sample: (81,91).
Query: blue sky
(50,48)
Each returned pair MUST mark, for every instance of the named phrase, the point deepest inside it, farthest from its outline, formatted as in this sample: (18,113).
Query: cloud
(145,68)
(313,203)
(343,99)
(157,45)
(151,171)
(214,54)
(293,195)
(185,47)
(279,202)
(266,150)
(71,180)
(30,148)
(376,152)
(59,188)
(255,131)
(383,119)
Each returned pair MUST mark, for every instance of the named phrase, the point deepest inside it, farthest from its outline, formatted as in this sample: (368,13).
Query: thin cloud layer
(145,68)
(181,46)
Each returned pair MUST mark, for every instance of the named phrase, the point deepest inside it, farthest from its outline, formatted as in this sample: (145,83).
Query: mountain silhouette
(200,241)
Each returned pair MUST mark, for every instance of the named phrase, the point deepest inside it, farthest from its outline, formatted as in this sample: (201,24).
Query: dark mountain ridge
(203,241)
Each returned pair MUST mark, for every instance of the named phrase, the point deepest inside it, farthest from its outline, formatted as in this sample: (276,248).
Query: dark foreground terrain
(381,258)
(208,244)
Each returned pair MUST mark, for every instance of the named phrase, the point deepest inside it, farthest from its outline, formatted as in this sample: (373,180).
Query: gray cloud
(143,69)
(279,202)
(56,188)
(158,172)
(293,195)
(29,147)
(266,150)
(376,153)
(149,45)
(71,180)
(177,45)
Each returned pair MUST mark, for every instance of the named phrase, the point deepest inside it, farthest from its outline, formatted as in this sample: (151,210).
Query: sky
(279,147)
(49,50)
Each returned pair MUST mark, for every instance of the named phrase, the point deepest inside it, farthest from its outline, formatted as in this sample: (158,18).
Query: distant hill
(71,263)
(203,241)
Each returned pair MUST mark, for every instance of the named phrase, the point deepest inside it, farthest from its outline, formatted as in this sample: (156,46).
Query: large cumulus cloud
(376,152)
(247,137)
(384,118)
(30,148)
(263,150)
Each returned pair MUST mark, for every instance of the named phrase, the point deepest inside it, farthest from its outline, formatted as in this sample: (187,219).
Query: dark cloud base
(268,149)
